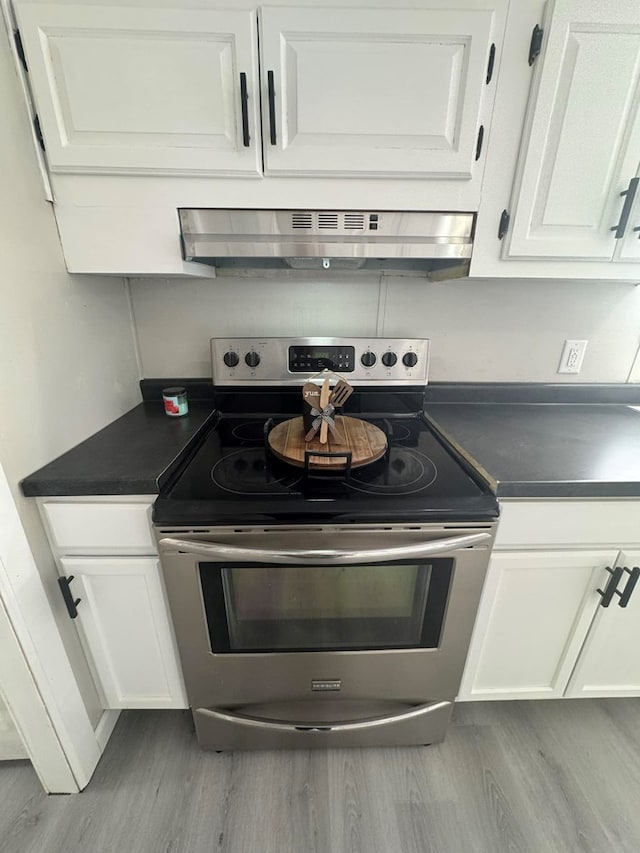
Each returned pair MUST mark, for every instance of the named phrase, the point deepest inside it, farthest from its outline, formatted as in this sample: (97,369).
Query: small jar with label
(175,401)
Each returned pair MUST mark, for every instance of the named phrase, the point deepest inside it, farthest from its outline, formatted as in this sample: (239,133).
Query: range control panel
(303,359)
(289,361)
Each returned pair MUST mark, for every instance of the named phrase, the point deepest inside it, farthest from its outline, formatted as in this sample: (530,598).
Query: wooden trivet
(366,442)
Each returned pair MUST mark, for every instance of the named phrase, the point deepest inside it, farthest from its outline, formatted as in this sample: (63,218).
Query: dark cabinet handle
(629,196)
(272,107)
(244,97)
(630,585)
(637,229)
(70,603)
(608,593)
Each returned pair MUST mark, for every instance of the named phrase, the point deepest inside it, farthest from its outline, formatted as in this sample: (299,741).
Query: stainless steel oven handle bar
(341,726)
(329,557)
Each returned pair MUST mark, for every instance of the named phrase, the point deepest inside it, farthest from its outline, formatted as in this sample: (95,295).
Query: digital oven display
(305,359)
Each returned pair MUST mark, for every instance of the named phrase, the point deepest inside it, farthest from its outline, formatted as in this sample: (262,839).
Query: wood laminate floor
(518,777)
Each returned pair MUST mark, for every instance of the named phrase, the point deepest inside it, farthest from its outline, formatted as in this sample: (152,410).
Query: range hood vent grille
(328,220)
(301,219)
(354,221)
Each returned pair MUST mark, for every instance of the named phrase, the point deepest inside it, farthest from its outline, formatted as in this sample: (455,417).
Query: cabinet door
(135,90)
(125,627)
(583,133)
(535,613)
(375,91)
(609,664)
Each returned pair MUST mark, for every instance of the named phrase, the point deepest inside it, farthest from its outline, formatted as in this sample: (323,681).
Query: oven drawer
(306,725)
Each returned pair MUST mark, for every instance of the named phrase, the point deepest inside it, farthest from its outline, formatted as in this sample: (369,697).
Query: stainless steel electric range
(316,610)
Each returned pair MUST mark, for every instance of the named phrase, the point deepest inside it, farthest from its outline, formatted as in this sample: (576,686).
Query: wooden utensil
(311,394)
(310,401)
(324,401)
(341,393)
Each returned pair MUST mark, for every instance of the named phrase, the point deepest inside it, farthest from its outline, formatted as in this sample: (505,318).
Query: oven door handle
(338,726)
(322,557)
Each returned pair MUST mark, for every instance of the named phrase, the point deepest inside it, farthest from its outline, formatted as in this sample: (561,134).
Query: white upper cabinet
(143,90)
(558,196)
(583,144)
(147,107)
(174,91)
(380,92)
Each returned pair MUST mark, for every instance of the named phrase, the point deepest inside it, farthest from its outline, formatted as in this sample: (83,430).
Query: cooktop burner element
(247,472)
(249,431)
(405,472)
(231,477)
(395,431)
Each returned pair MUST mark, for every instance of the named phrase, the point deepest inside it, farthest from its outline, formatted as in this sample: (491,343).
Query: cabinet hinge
(479,142)
(490,64)
(503,227)
(38,130)
(20,49)
(70,602)
(536,44)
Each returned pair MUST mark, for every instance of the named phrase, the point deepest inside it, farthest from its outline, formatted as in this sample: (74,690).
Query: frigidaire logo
(326,684)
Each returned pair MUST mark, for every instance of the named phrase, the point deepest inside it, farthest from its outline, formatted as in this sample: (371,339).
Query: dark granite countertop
(526,440)
(546,449)
(127,457)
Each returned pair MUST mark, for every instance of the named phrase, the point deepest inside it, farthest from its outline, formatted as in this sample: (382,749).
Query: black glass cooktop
(233,478)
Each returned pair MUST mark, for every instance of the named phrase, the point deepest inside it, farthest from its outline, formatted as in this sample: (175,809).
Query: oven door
(265,616)
(255,608)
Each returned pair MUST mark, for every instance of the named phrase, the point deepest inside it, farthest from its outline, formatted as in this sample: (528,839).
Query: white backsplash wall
(175,318)
(514,331)
(481,331)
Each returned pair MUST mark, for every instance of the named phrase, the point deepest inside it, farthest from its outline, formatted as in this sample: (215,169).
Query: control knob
(410,359)
(368,359)
(231,358)
(389,359)
(252,358)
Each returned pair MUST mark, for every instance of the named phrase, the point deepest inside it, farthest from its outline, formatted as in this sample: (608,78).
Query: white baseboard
(11,747)
(105,727)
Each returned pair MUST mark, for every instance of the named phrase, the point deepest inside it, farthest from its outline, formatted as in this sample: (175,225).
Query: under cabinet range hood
(310,239)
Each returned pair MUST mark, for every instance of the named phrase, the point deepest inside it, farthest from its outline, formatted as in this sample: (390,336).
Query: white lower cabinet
(106,543)
(535,614)
(125,628)
(560,610)
(610,661)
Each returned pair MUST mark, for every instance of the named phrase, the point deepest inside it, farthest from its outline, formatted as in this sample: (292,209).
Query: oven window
(253,608)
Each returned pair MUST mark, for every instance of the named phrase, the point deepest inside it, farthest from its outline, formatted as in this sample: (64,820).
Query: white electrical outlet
(572,356)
